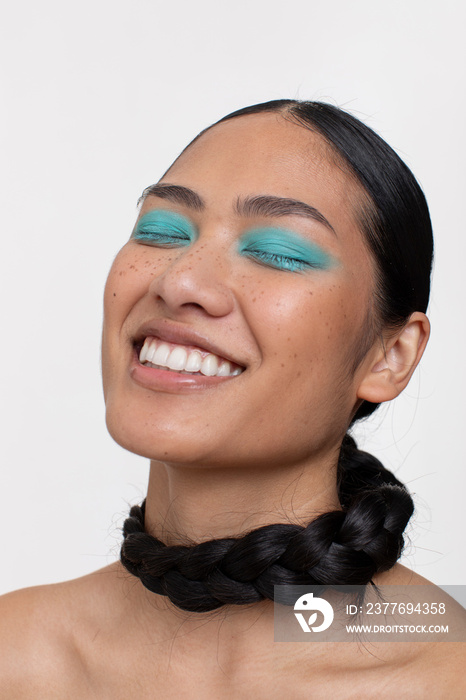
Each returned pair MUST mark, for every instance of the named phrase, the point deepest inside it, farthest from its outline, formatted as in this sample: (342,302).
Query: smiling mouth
(179,358)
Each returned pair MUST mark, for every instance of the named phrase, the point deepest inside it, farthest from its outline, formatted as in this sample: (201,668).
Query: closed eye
(283,250)
(164,229)
(162,238)
(280,261)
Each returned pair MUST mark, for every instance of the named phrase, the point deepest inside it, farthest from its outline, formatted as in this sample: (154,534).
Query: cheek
(126,283)
(128,280)
(307,324)
(302,387)
(124,278)
(309,338)
(115,301)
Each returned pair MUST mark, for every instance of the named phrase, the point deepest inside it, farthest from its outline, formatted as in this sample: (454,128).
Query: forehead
(268,154)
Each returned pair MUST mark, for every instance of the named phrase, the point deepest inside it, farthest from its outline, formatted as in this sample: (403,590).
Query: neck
(188,504)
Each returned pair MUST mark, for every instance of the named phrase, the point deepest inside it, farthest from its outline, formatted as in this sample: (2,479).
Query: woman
(273,291)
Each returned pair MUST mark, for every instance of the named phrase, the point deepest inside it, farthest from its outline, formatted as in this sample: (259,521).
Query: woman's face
(253,256)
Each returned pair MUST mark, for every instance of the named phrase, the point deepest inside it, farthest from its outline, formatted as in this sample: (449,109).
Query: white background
(97,98)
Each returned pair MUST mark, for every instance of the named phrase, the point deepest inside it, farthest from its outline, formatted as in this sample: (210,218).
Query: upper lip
(182,335)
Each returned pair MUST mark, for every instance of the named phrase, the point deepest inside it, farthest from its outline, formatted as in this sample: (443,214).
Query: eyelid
(285,247)
(162,224)
(281,262)
(281,243)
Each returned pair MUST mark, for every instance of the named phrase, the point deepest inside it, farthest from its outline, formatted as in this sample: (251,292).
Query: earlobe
(391,364)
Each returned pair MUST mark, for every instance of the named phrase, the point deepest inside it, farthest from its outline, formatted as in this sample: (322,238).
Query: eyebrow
(175,193)
(268,205)
(259,205)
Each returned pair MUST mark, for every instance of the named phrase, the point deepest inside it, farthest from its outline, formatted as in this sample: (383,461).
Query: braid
(343,547)
(358,471)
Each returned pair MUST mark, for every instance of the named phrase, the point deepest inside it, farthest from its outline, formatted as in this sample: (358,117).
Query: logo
(307,602)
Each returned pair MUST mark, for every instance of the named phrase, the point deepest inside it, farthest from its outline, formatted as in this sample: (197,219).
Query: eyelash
(162,238)
(282,262)
(147,235)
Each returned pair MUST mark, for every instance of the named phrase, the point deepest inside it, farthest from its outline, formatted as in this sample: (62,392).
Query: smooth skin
(231,455)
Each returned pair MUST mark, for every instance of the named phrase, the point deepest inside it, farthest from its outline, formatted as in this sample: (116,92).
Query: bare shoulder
(435,667)
(35,652)
(41,637)
(443,607)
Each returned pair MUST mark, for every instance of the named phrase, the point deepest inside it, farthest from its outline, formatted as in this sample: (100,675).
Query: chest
(170,674)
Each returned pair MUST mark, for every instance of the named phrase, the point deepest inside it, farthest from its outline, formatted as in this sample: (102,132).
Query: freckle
(254,299)
(283,364)
(295,355)
(299,374)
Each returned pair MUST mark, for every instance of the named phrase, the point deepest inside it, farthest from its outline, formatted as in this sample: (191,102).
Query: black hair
(350,545)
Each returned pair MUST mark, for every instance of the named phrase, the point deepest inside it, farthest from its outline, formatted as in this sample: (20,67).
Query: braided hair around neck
(346,546)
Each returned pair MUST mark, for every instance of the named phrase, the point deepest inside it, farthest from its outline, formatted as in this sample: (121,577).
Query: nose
(196,278)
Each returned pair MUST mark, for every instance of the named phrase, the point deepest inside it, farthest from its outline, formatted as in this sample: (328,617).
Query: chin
(158,443)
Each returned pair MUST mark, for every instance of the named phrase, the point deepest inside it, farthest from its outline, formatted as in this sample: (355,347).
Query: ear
(392,362)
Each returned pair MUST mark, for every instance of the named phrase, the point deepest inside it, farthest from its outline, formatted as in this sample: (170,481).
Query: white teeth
(143,353)
(152,347)
(177,358)
(161,355)
(224,370)
(209,366)
(194,362)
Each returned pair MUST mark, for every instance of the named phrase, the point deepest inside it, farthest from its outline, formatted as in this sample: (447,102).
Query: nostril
(193,306)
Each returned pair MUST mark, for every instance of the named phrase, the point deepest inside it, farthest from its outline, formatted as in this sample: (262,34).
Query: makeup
(165,229)
(284,250)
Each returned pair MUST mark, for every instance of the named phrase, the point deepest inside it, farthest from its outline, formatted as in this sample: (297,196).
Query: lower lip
(167,380)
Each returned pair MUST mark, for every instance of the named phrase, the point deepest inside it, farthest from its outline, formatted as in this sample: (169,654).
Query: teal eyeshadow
(282,247)
(162,227)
